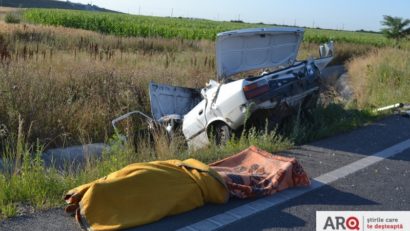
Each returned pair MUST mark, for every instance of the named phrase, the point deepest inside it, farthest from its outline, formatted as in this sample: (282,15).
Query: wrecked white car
(222,107)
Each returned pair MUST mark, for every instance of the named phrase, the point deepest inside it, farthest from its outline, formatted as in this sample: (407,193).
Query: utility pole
(139,10)
(172,12)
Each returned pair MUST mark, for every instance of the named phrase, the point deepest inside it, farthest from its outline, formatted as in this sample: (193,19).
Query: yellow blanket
(145,192)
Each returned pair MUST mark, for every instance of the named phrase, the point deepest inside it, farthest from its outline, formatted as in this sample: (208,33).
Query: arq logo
(341,223)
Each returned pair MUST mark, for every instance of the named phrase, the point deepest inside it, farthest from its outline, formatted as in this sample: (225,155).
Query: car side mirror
(326,50)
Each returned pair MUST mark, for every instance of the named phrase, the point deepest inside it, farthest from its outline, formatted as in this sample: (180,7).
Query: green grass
(325,121)
(381,78)
(12,18)
(23,178)
(165,27)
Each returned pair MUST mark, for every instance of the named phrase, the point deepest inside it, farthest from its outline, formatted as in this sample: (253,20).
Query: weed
(324,121)
(380,78)
(24,178)
(12,18)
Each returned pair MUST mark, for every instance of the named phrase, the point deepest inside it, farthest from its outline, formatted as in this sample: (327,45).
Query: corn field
(185,28)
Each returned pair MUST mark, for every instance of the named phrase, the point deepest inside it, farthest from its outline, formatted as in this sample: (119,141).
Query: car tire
(222,134)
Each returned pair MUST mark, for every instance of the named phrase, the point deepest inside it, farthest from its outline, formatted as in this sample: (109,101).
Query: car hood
(250,49)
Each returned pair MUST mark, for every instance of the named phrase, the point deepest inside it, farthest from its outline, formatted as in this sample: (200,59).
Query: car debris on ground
(399,108)
(212,114)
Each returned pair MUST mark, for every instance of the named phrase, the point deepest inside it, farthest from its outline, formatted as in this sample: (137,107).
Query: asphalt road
(383,186)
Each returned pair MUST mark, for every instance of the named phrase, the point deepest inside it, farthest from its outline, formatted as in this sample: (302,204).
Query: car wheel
(222,134)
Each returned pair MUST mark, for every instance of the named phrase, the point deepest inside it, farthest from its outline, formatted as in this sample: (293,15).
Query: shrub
(12,18)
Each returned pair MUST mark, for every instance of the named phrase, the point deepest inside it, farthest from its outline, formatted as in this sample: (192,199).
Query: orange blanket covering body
(142,193)
(254,173)
(145,192)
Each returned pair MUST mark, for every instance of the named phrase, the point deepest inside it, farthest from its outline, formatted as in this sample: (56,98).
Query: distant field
(50,4)
(4,10)
(195,29)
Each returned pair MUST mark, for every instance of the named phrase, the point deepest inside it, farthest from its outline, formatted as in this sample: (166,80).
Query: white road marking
(252,208)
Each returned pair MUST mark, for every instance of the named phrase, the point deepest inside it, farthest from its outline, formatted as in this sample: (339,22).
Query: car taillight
(256,89)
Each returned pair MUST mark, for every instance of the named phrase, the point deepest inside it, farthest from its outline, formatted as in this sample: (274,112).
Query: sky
(332,14)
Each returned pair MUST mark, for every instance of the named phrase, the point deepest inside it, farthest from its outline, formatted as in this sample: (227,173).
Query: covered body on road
(142,193)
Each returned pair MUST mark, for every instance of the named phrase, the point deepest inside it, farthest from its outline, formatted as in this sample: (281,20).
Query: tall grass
(326,120)
(12,18)
(24,182)
(381,77)
(69,83)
